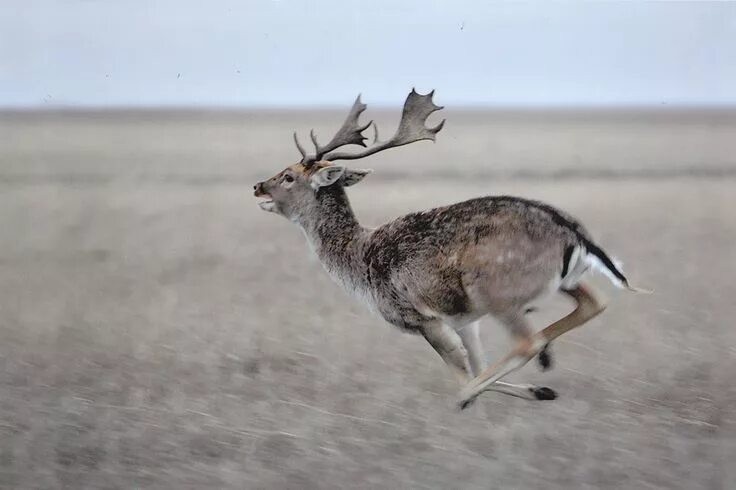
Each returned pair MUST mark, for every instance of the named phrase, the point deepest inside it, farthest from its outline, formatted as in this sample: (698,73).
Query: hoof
(545,359)
(543,393)
(463,404)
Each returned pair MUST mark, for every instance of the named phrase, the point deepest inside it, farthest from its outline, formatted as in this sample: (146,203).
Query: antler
(417,109)
(350,133)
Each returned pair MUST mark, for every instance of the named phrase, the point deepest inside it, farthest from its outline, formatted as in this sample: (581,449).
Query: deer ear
(326,176)
(355,175)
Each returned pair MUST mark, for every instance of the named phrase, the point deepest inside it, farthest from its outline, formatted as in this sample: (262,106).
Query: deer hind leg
(545,355)
(545,358)
(452,347)
(588,306)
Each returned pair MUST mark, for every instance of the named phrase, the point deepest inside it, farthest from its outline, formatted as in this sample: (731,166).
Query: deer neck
(331,228)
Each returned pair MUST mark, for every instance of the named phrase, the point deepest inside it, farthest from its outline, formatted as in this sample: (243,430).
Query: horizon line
(71,108)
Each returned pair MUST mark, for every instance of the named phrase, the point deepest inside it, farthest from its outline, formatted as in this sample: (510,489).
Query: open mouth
(266,203)
(259,192)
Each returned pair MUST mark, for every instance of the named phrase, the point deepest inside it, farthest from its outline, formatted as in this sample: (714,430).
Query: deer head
(296,188)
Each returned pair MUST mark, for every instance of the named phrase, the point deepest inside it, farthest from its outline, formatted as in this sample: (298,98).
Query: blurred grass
(159,331)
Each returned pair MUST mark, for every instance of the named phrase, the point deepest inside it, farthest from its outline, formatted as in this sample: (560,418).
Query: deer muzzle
(258,190)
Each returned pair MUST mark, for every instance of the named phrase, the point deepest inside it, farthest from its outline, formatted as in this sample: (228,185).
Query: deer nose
(258,189)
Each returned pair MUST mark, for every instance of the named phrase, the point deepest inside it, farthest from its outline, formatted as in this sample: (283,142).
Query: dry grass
(159,331)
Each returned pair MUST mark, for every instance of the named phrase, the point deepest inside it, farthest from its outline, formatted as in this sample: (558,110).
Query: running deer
(437,272)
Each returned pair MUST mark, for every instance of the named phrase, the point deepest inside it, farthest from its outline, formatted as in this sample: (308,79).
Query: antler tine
(350,133)
(300,147)
(417,108)
(375,132)
(313,137)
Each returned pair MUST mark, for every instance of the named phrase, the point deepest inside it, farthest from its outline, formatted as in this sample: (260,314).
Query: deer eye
(288,179)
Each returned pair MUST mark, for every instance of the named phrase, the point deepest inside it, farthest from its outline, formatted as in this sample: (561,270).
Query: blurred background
(157,330)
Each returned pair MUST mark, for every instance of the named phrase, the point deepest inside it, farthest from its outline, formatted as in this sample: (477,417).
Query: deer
(437,272)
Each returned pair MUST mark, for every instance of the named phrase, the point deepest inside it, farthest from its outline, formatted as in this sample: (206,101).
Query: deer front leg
(526,348)
(450,348)
(470,337)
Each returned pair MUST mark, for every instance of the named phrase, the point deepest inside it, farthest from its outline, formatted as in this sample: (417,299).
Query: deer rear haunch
(437,272)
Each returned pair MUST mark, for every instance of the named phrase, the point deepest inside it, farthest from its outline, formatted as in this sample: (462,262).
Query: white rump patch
(576,267)
(581,261)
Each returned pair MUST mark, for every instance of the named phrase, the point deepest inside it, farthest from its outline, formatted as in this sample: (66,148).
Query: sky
(269,53)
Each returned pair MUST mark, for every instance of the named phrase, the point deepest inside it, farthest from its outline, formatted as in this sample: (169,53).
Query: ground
(160,331)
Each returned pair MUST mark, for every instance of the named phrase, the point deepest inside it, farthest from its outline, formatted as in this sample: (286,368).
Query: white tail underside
(582,261)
